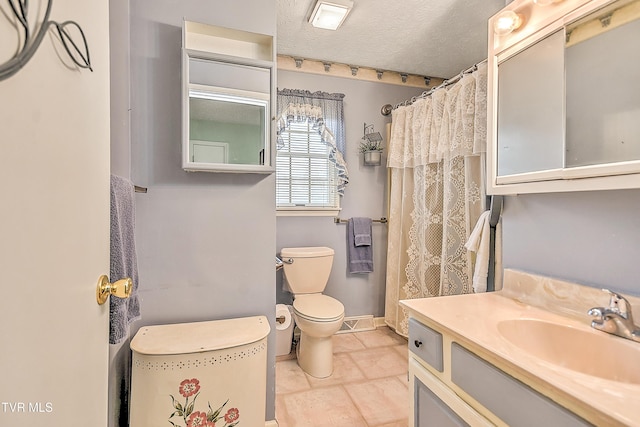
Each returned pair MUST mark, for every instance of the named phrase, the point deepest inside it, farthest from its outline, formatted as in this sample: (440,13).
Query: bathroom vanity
(523,356)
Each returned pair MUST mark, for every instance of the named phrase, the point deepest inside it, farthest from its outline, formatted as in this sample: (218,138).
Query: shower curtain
(436,163)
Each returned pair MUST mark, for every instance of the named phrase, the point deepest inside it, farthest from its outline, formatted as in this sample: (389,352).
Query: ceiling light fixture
(330,14)
(506,22)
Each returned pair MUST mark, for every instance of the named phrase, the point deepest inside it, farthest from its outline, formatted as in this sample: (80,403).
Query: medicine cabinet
(228,92)
(564,98)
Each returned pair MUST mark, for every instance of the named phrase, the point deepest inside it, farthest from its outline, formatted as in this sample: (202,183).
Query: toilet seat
(318,308)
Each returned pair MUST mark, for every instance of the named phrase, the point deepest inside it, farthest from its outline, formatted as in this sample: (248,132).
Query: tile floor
(368,387)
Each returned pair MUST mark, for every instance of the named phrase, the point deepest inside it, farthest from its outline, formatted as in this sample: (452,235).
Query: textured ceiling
(437,38)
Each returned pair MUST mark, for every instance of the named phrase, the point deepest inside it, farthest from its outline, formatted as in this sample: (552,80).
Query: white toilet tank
(307,269)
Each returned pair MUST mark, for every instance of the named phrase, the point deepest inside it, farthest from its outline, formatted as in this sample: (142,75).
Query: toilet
(318,316)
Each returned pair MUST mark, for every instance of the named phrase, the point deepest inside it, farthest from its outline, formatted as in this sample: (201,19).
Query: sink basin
(589,352)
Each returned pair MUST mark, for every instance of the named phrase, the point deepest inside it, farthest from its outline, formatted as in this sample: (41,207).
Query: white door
(209,152)
(54,227)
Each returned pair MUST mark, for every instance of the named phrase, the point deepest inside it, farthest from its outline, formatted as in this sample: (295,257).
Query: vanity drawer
(512,401)
(426,344)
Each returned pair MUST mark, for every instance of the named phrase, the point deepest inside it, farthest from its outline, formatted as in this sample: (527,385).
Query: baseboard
(357,324)
(379,322)
(272,423)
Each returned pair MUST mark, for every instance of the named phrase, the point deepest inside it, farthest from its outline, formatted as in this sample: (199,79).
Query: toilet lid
(319,307)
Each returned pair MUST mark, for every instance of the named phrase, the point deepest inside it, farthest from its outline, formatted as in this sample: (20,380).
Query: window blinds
(304,174)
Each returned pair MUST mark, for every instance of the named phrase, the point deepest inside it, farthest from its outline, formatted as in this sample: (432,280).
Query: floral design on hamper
(192,418)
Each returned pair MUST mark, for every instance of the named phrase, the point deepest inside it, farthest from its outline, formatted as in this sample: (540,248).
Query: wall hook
(32,39)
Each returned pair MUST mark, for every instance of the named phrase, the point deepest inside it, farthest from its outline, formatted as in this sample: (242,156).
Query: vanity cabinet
(510,400)
(432,402)
(228,92)
(463,389)
(432,411)
(563,98)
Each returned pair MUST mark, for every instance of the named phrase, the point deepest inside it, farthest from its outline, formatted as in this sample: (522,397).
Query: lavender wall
(361,294)
(592,237)
(205,241)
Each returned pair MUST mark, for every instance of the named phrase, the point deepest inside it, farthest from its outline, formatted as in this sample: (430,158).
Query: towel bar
(338,220)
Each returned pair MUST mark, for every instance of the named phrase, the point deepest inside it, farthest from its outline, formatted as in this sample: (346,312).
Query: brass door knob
(121,289)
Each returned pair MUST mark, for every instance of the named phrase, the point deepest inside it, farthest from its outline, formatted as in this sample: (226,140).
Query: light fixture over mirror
(330,14)
(507,22)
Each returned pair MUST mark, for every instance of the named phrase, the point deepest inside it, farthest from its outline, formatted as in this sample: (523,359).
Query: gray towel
(360,258)
(362,231)
(122,312)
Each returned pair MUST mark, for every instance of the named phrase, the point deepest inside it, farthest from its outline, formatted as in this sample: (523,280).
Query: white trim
(307,211)
(357,324)
(271,423)
(315,66)
(379,322)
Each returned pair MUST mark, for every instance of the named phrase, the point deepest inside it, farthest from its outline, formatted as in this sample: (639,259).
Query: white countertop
(473,321)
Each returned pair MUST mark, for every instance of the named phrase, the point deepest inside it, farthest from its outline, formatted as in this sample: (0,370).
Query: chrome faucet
(617,319)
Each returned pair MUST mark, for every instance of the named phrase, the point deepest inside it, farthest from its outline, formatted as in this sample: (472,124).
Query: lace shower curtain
(437,193)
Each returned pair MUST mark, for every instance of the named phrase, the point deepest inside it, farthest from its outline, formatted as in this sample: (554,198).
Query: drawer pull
(417,343)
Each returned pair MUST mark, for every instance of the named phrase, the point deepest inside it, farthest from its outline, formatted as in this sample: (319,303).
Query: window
(311,174)
(306,177)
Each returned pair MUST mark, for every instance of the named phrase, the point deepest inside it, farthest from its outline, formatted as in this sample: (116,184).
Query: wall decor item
(371,146)
(32,37)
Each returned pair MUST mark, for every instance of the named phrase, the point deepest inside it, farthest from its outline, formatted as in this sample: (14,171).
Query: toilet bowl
(318,316)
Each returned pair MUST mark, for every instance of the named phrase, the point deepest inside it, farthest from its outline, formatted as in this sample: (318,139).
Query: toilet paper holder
(283,317)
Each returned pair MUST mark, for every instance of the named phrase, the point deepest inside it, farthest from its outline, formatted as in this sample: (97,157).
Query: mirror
(227,128)
(568,105)
(603,100)
(226,111)
(530,116)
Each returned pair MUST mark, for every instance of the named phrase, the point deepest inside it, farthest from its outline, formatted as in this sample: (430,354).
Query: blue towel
(124,263)
(362,231)
(360,258)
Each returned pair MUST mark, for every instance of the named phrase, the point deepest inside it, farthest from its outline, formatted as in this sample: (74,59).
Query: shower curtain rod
(445,83)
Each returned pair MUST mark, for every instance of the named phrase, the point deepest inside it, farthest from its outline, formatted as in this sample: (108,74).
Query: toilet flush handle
(287,260)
